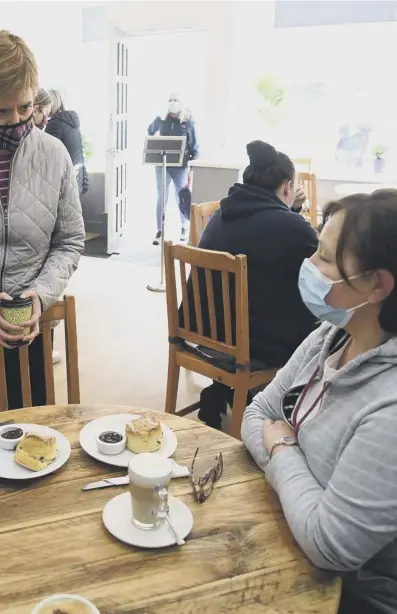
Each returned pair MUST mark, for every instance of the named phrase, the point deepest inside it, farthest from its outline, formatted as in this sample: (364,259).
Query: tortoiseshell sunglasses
(203,486)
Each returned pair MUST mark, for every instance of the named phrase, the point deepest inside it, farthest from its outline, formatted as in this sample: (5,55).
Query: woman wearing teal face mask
(325,430)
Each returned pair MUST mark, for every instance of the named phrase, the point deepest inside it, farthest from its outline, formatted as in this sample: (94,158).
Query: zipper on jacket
(5,207)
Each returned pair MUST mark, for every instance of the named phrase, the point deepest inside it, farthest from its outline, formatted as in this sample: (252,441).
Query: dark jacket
(171,126)
(65,126)
(254,222)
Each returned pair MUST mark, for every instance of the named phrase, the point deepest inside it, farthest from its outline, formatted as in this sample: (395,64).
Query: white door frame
(116,195)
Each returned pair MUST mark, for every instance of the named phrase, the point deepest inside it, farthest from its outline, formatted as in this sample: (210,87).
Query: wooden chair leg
(172,381)
(239,404)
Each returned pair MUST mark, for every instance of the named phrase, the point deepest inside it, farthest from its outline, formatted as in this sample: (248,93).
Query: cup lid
(17,301)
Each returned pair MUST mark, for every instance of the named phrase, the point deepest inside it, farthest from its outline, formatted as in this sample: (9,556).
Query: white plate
(117,520)
(10,470)
(90,431)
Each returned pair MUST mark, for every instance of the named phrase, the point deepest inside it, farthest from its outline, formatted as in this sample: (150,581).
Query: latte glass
(70,604)
(149,476)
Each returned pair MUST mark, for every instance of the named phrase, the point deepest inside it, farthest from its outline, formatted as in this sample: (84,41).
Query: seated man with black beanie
(260,218)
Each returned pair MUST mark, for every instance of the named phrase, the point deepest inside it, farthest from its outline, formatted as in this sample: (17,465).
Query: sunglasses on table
(203,486)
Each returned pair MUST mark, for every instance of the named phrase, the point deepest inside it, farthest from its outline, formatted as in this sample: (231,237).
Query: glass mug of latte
(149,476)
(66,604)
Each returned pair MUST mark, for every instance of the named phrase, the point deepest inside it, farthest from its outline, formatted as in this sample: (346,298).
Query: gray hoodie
(338,489)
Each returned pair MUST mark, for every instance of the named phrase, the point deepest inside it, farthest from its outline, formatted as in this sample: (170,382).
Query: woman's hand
(8,331)
(34,322)
(274,431)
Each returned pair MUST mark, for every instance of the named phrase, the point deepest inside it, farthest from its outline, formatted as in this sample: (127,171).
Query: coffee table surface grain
(240,557)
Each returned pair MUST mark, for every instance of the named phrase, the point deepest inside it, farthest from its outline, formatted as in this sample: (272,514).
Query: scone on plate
(36,451)
(144,435)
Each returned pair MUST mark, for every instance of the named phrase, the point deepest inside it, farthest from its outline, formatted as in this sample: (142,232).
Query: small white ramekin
(111,448)
(10,444)
(54,598)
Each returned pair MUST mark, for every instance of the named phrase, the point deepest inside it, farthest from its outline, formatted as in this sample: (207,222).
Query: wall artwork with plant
(272,107)
(379,151)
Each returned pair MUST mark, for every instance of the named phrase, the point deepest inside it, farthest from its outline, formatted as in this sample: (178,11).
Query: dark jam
(111,437)
(12,434)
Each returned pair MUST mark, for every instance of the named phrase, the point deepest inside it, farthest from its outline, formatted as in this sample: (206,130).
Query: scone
(36,451)
(144,435)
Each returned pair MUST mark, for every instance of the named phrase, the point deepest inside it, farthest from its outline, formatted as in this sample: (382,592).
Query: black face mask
(12,135)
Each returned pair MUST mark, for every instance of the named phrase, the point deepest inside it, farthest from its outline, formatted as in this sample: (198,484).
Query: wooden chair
(199,217)
(242,380)
(62,310)
(302,164)
(309,210)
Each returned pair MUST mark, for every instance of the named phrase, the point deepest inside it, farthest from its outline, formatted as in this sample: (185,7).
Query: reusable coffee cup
(18,311)
(67,604)
(149,475)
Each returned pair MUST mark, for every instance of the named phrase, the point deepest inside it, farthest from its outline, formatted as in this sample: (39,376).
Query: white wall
(53,31)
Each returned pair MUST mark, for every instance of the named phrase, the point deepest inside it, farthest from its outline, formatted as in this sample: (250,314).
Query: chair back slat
(197,299)
(62,310)
(226,307)
(203,263)
(309,209)
(185,306)
(199,217)
(172,293)
(209,284)
(48,366)
(25,376)
(3,385)
(72,355)
(242,312)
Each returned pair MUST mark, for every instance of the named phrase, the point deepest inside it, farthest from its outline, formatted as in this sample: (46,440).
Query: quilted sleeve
(67,243)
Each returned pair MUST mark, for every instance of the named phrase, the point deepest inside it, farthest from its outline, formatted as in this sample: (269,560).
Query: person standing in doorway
(177,122)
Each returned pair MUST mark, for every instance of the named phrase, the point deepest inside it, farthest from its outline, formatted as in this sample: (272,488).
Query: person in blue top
(177,122)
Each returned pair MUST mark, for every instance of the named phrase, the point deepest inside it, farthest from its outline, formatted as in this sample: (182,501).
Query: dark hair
(369,233)
(268,168)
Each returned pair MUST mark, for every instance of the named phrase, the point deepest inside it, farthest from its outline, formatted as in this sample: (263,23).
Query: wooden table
(239,558)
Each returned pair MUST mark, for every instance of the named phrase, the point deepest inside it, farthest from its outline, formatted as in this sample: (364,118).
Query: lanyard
(294,418)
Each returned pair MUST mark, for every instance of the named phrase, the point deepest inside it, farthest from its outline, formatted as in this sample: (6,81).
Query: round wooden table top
(240,557)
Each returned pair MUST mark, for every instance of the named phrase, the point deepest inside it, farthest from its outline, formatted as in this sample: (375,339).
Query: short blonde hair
(57,102)
(43,99)
(18,68)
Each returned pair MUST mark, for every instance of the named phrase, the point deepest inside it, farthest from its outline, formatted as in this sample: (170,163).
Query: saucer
(117,520)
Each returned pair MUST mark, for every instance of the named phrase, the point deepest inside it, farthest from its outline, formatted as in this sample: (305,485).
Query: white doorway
(159,64)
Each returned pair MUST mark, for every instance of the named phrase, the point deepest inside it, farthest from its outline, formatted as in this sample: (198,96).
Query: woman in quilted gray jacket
(41,225)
